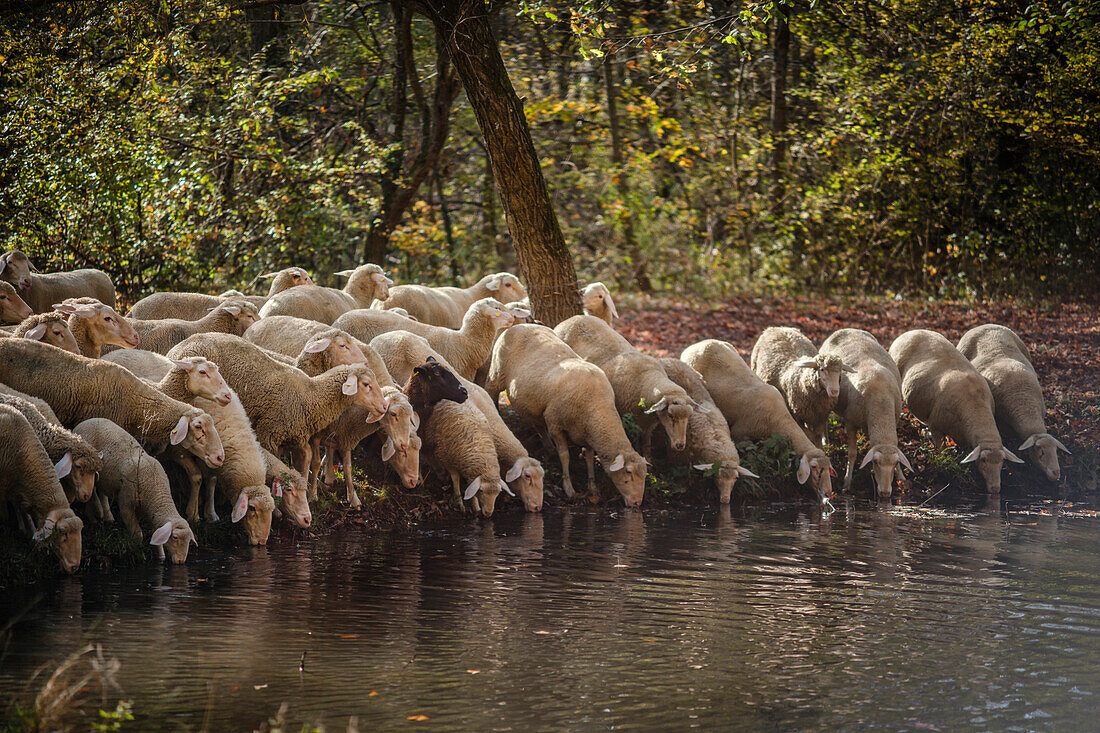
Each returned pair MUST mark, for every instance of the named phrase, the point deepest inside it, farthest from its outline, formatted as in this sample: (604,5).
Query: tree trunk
(544,258)
(781,42)
(637,259)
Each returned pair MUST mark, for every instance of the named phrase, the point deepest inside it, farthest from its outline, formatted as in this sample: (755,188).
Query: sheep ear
(618,463)
(416,421)
(661,403)
(904,461)
(803,474)
(703,466)
(162,534)
(36,333)
(44,531)
(610,305)
(233,310)
(276,488)
(345,273)
(180,431)
(65,466)
(388,449)
(974,455)
(430,360)
(266,276)
(806,362)
(3,264)
(847,368)
(1009,455)
(868,458)
(521,313)
(64,308)
(506,489)
(1059,444)
(315,347)
(184,365)
(1028,443)
(194,541)
(472,489)
(701,408)
(494,283)
(746,472)
(351,385)
(240,508)
(514,471)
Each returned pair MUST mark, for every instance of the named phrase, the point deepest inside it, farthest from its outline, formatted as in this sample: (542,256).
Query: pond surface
(897,619)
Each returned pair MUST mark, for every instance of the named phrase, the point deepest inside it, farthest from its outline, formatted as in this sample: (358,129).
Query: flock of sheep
(94,406)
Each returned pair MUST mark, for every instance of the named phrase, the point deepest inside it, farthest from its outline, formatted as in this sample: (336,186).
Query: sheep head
(254,505)
(990,458)
(829,368)
(103,323)
(291,487)
(361,388)
(369,279)
(53,329)
(493,311)
(406,463)
(242,312)
(726,477)
(197,435)
(814,466)
(204,379)
(526,477)
(12,307)
(1044,449)
(674,411)
(399,422)
(86,465)
(176,537)
(628,472)
(61,528)
(338,346)
(286,278)
(486,489)
(504,286)
(886,459)
(596,300)
(432,382)
(16,268)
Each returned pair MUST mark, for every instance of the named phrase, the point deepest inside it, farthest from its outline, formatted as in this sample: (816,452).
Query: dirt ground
(1064,339)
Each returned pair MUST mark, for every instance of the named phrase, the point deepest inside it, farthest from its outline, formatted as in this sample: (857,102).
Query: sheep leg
(193,504)
(208,486)
(345,458)
(562,446)
(194,474)
(130,520)
(647,439)
(590,460)
(327,465)
(101,508)
(851,459)
(313,465)
(301,456)
(456,483)
(937,438)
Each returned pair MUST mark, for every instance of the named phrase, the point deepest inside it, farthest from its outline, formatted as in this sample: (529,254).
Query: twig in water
(933,496)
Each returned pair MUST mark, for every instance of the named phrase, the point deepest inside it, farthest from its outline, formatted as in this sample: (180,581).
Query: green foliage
(112,720)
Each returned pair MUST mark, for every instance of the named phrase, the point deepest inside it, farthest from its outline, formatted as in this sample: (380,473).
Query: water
(775,620)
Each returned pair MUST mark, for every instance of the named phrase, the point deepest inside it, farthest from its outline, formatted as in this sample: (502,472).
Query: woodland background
(947,147)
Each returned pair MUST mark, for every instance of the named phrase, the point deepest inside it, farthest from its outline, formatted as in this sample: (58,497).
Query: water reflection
(774,618)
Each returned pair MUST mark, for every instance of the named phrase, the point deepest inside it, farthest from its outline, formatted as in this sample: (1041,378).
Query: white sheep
(596,301)
(29,480)
(41,405)
(445,306)
(193,306)
(13,309)
(945,392)
(808,381)
(96,325)
(49,328)
(1000,356)
(708,441)
(41,291)
(230,316)
(755,410)
(286,407)
(465,349)
(402,351)
(870,400)
(137,483)
(641,386)
(366,283)
(79,388)
(572,400)
(76,461)
(289,335)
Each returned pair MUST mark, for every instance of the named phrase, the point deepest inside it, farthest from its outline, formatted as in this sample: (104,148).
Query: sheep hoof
(212,516)
(569,493)
(354,503)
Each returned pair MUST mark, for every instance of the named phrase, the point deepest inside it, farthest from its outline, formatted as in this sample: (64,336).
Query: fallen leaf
(258,687)
(473,671)
(418,717)
(350,636)
(372,693)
